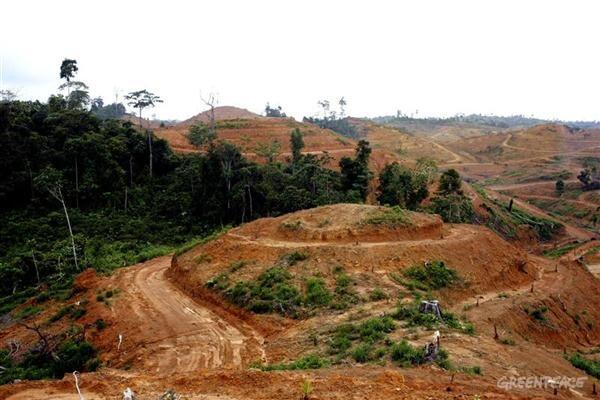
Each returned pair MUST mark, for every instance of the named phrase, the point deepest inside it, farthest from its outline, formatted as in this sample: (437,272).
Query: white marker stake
(120,341)
(76,376)
(128,394)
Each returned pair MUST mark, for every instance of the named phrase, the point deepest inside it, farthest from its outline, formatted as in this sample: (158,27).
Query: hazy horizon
(442,59)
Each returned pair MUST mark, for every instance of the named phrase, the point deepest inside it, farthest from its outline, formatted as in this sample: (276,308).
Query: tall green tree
(296,144)
(355,172)
(68,69)
(142,99)
(401,186)
(450,182)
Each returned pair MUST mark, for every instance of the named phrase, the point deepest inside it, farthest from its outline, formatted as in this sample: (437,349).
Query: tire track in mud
(180,334)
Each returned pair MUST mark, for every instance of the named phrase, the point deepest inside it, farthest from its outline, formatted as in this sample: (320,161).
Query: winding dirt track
(183,335)
(455,232)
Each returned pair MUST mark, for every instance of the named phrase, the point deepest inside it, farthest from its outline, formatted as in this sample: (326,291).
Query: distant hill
(464,126)
(222,113)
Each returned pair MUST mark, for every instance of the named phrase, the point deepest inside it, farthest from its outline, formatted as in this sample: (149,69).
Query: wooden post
(496,337)
(594,392)
(532,288)
(477,302)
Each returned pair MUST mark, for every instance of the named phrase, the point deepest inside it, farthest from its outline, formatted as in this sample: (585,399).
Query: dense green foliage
(70,356)
(453,208)
(200,134)
(342,126)
(119,213)
(434,275)
(450,202)
(355,172)
(275,112)
(401,186)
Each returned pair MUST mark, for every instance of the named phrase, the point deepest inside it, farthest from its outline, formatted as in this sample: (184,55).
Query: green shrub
(454,208)
(75,356)
(406,355)
(377,294)
(374,329)
(100,324)
(539,313)
(434,275)
(443,361)
(271,292)
(317,294)
(474,370)
(362,352)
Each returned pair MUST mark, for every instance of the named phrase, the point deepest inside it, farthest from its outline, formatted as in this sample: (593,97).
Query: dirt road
(183,335)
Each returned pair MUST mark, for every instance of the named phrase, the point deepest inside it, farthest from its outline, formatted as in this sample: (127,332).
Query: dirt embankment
(177,333)
(368,252)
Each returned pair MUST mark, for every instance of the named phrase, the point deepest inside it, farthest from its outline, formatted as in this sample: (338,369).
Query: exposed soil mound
(367,242)
(221,113)
(346,223)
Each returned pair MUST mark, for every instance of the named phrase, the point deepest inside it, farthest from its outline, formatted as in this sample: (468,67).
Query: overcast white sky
(438,57)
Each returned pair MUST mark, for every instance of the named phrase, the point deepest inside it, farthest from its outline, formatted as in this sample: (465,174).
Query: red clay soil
(178,334)
(221,113)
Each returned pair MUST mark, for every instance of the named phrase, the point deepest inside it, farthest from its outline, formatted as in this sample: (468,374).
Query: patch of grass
(293,258)
(560,251)
(11,302)
(237,265)
(508,342)
(473,370)
(312,361)
(61,313)
(28,311)
(202,258)
(390,216)
(367,333)
(292,226)
(377,294)
(591,367)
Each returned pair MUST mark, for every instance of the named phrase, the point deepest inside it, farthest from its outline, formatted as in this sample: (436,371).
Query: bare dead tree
(44,339)
(211,101)
(51,180)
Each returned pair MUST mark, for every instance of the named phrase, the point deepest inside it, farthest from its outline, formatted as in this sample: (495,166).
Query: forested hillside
(62,168)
